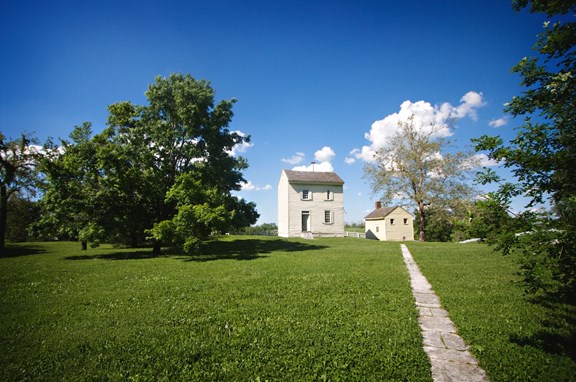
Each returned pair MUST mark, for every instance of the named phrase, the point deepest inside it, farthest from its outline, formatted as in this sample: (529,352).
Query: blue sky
(320,81)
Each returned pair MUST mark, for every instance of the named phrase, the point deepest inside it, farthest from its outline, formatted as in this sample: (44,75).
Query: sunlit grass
(515,337)
(248,309)
(266,308)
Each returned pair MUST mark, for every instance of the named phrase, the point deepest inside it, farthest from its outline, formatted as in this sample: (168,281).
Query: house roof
(312,177)
(380,213)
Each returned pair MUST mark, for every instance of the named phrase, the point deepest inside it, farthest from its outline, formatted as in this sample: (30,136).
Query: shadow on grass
(118,255)
(249,249)
(240,249)
(558,333)
(12,250)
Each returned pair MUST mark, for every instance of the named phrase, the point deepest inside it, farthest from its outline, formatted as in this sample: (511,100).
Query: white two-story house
(310,204)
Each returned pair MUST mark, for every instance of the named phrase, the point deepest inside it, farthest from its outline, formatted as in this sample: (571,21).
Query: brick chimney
(378,205)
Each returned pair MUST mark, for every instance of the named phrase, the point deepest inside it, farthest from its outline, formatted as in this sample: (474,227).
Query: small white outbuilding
(389,224)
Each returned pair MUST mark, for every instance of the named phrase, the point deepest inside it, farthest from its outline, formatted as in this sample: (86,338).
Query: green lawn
(249,309)
(515,337)
(264,308)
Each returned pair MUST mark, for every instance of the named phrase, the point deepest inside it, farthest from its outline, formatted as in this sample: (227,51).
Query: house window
(405,221)
(328,217)
(329,195)
(306,195)
(391,221)
(377,228)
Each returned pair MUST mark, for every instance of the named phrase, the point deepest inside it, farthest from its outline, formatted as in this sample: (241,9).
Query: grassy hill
(260,308)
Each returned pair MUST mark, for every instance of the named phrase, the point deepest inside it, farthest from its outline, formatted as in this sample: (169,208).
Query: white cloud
(249,186)
(325,154)
(240,148)
(425,116)
(469,103)
(366,153)
(36,149)
(323,158)
(484,161)
(11,152)
(320,167)
(349,160)
(498,122)
(29,149)
(294,159)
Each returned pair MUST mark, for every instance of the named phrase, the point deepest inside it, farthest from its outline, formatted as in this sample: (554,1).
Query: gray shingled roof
(380,213)
(313,177)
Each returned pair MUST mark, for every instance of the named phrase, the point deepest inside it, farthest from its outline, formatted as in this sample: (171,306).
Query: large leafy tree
(542,156)
(73,205)
(415,167)
(18,174)
(176,169)
(165,170)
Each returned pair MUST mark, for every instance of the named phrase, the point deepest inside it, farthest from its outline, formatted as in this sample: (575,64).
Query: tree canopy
(165,170)
(75,203)
(18,174)
(413,168)
(542,156)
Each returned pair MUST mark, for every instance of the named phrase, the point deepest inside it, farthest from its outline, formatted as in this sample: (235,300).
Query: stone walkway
(449,355)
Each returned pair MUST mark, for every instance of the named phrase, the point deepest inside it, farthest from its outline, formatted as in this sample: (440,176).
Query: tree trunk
(84,245)
(133,239)
(3,217)
(422,236)
(157,248)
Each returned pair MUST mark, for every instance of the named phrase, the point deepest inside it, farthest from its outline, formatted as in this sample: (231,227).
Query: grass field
(249,309)
(256,309)
(515,337)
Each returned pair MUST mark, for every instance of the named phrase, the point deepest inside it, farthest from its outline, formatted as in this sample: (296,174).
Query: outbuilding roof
(313,177)
(380,213)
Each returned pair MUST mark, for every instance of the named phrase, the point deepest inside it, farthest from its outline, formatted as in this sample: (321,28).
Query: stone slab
(427,299)
(456,356)
(439,312)
(420,283)
(431,311)
(424,310)
(432,339)
(446,371)
(453,341)
(437,324)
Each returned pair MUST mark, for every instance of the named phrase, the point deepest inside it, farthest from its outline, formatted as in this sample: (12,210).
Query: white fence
(361,235)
